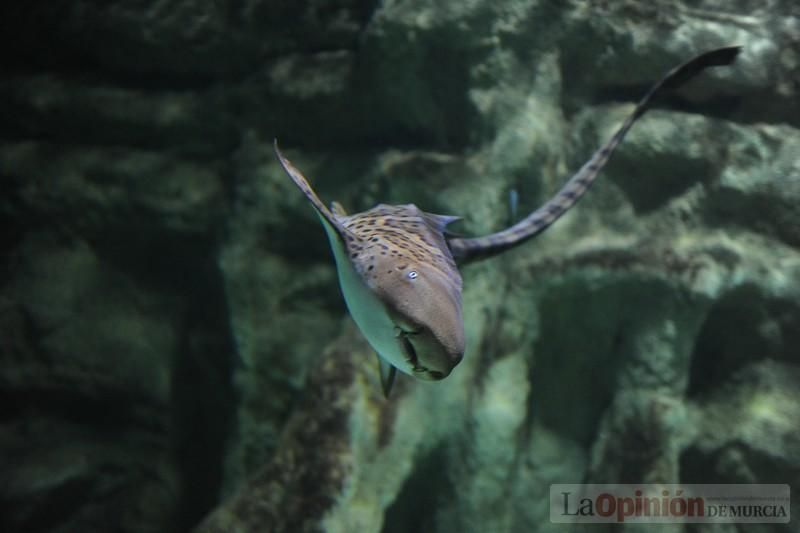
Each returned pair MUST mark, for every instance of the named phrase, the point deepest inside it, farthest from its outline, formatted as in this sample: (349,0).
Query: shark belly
(367,310)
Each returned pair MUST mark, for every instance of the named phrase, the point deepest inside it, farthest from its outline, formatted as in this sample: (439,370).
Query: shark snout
(442,371)
(426,313)
(429,358)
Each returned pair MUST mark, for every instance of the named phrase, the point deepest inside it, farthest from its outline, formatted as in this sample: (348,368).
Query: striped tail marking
(465,250)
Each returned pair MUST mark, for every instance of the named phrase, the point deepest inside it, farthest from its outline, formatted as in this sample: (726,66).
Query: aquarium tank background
(176,354)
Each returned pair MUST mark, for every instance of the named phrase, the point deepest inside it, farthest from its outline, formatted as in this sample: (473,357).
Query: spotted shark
(397,264)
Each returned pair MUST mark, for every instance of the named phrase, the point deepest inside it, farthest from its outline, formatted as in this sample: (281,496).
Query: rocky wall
(175,352)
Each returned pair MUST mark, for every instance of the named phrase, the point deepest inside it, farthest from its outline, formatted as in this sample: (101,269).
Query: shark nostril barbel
(371,247)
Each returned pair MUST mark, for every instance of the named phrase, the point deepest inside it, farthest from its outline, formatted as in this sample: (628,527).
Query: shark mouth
(410,351)
(413,359)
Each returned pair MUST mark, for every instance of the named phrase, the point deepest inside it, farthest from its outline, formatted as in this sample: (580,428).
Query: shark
(398,265)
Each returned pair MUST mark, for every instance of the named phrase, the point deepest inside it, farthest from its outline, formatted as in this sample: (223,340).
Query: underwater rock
(86,395)
(175,350)
(113,348)
(313,461)
(596,337)
(150,195)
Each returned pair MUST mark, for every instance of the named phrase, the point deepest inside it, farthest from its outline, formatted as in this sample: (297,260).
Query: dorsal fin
(302,183)
(482,247)
(439,222)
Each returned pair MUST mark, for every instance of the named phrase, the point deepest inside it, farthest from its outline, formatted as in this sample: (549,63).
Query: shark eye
(412,274)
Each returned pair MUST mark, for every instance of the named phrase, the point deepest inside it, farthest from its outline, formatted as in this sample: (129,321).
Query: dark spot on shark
(570,195)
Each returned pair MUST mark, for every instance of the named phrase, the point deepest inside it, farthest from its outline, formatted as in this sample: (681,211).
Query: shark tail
(482,247)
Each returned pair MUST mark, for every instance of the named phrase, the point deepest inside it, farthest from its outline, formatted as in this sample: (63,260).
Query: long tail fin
(482,247)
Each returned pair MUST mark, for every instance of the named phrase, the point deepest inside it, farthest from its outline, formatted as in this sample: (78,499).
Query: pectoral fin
(327,217)
(387,375)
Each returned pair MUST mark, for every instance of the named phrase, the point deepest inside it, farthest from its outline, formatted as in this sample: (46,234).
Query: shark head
(424,304)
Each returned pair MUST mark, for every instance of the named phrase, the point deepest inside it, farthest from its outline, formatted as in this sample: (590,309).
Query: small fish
(513,205)
(397,265)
